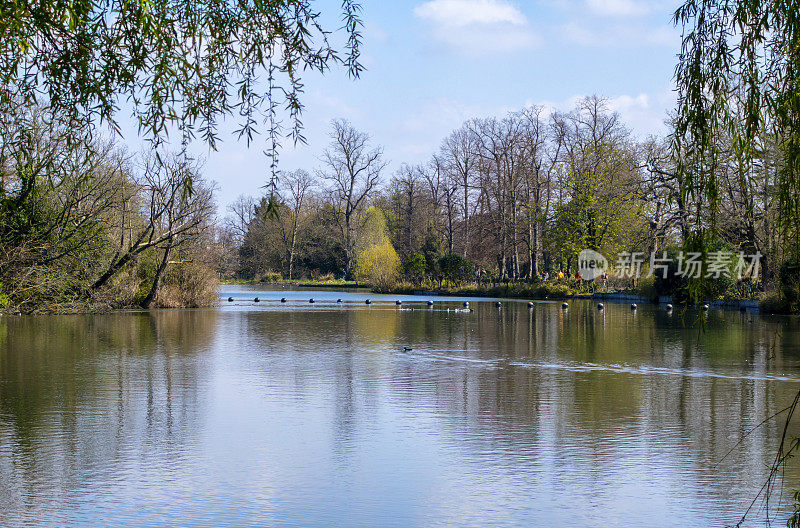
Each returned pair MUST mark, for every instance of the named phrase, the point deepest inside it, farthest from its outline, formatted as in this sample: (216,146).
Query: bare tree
(353,171)
(536,176)
(407,185)
(442,192)
(293,189)
(460,152)
(172,214)
(498,143)
(241,213)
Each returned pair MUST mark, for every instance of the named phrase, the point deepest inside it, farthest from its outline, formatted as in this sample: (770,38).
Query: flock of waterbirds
(398,302)
(467,309)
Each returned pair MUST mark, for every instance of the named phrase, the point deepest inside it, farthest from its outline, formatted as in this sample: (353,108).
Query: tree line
(505,198)
(511,198)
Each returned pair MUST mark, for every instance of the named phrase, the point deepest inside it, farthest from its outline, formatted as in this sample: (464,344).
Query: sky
(431,65)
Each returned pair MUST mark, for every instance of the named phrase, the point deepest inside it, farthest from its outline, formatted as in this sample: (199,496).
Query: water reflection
(318,415)
(81,396)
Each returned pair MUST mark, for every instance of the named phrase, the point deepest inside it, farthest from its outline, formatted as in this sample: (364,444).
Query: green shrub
(270,276)
(647,288)
(691,289)
(555,290)
(432,251)
(454,267)
(414,266)
(789,278)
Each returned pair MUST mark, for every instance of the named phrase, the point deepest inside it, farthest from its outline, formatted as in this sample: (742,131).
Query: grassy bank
(557,291)
(305,283)
(553,290)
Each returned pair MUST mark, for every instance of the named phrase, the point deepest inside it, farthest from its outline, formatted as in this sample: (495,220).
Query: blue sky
(433,64)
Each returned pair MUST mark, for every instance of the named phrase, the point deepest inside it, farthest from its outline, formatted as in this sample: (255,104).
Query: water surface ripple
(344,414)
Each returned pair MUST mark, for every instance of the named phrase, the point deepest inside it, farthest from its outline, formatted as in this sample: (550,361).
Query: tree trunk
(112,270)
(466,216)
(151,295)
(292,245)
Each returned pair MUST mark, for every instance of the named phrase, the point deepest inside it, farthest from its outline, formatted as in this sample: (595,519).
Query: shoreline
(540,292)
(347,285)
(560,292)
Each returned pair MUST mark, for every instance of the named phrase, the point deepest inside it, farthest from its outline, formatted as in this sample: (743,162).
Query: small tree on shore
(379,265)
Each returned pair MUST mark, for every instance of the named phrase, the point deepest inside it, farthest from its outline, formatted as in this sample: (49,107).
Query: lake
(344,414)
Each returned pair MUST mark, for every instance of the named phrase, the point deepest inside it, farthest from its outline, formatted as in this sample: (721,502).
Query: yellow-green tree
(379,264)
(377,261)
(373,230)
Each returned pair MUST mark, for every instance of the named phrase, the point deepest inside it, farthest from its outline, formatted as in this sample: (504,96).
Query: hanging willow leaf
(738,75)
(174,62)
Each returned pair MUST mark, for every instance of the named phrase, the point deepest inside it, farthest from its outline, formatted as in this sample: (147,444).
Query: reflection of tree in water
(81,393)
(297,351)
(655,399)
(576,394)
(464,365)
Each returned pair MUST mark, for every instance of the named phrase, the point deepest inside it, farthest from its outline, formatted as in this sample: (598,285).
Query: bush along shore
(454,275)
(327,281)
(88,226)
(518,290)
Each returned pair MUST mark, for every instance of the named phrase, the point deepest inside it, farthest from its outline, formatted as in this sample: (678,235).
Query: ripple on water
(315,415)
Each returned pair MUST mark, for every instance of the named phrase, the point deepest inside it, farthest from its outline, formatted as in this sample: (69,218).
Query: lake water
(299,414)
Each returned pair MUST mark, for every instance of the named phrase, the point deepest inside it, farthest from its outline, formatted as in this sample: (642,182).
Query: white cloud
(461,13)
(619,35)
(636,112)
(618,7)
(626,102)
(644,114)
(477,26)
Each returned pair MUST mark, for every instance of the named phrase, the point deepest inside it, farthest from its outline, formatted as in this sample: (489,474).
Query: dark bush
(789,276)
(454,267)
(691,289)
(414,266)
(432,251)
